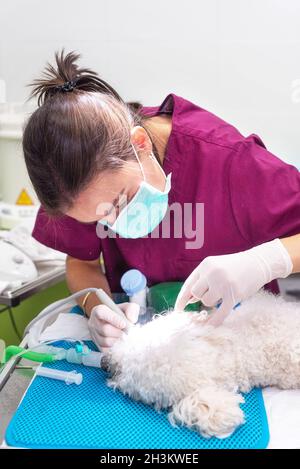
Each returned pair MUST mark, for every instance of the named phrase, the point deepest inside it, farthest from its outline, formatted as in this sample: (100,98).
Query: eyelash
(119,206)
(122,202)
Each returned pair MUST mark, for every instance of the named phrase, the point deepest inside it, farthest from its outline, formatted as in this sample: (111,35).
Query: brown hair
(80,128)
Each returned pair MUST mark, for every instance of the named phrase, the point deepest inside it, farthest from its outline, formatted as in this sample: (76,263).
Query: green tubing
(34,356)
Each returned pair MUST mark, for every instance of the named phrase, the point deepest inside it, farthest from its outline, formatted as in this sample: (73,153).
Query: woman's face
(109,192)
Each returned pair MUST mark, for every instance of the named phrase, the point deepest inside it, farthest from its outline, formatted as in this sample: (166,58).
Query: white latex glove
(106,326)
(234,277)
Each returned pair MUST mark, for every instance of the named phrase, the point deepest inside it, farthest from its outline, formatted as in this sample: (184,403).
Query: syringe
(69,377)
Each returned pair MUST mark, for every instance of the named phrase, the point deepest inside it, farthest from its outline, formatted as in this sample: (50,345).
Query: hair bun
(67,76)
(67,86)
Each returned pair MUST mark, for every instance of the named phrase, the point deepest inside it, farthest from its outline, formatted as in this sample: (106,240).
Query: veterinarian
(93,159)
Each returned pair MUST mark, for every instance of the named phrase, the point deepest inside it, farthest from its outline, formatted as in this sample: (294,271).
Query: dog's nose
(105,364)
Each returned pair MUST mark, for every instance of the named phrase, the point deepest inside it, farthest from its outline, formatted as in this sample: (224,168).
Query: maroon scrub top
(250,197)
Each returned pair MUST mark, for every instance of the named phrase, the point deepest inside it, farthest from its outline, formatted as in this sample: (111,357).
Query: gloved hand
(106,325)
(232,278)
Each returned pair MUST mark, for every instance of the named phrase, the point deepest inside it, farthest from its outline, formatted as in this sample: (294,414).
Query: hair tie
(67,86)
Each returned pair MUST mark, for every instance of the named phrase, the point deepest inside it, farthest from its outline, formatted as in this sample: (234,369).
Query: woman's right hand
(106,326)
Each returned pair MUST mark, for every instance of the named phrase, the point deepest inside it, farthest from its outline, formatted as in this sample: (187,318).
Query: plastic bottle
(134,283)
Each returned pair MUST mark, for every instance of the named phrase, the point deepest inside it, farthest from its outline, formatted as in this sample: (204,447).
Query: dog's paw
(211,411)
(226,417)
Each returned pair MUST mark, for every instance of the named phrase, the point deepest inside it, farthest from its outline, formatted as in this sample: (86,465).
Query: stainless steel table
(17,374)
(14,380)
(48,275)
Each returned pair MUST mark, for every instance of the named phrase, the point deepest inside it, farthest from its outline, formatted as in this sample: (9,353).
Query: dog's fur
(196,371)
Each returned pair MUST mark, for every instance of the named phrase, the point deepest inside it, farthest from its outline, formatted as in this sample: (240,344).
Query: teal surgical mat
(94,416)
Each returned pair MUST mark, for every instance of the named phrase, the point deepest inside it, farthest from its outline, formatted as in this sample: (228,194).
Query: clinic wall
(237,58)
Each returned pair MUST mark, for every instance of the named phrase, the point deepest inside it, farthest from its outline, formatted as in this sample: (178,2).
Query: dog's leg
(210,410)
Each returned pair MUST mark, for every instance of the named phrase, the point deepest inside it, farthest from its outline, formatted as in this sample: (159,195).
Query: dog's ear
(209,410)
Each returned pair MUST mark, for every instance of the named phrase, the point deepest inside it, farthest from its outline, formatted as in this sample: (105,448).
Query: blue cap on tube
(133,281)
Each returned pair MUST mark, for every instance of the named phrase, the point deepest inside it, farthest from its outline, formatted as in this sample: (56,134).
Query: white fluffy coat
(197,371)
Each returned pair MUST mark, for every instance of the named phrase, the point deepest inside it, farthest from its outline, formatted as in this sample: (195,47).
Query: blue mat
(92,415)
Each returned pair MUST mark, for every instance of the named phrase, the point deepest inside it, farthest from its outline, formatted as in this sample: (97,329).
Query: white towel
(67,325)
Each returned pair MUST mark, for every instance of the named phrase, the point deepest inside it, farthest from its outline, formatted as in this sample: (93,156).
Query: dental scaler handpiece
(107,301)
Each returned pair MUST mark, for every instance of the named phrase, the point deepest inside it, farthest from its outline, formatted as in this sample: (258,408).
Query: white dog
(196,371)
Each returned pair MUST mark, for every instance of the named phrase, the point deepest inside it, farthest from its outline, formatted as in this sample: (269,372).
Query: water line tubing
(13,350)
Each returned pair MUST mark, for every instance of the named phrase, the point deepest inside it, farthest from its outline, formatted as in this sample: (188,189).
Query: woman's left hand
(232,278)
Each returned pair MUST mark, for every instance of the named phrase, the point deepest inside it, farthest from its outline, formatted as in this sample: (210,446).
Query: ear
(211,411)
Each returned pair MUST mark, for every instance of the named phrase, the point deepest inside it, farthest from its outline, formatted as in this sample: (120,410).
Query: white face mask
(145,210)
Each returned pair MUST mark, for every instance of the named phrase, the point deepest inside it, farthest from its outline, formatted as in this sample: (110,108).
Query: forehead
(109,183)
